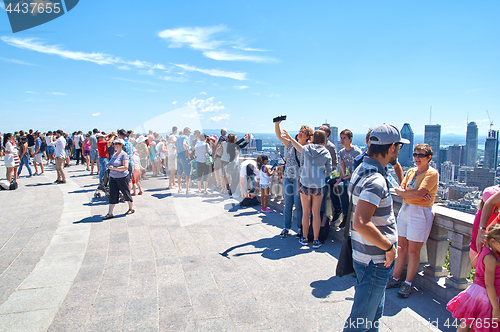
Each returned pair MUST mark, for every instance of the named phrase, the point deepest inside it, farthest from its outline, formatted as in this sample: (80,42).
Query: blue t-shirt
(179,144)
(38,143)
(117,161)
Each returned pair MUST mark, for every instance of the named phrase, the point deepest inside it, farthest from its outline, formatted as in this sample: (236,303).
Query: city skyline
(207,66)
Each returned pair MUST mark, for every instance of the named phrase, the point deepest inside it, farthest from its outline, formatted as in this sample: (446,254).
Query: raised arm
(277,130)
(295,144)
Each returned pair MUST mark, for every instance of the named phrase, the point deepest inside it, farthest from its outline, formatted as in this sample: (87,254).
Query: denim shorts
(183,165)
(94,154)
(51,150)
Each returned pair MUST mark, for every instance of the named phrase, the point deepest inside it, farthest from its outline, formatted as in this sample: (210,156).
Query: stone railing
(451,232)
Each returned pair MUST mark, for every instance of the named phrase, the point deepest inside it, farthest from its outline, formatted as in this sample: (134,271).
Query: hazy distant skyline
(237,65)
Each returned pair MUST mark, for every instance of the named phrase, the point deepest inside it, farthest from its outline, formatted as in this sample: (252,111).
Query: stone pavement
(180,263)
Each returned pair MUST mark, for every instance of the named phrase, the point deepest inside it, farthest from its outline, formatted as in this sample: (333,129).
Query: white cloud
(33,92)
(147,72)
(241,87)
(215,72)
(219,118)
(135,81)
(206,105)
(194,115)
(35,45)
(203,93)
(225,56)
(159,66)
(123,67)
(248,49)
(173,79)
(197,38)
(203,39)
(19,62)
(58,93)
(174,102)
(96,114)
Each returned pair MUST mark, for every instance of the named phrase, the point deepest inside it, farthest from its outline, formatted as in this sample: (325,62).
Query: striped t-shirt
(372,188)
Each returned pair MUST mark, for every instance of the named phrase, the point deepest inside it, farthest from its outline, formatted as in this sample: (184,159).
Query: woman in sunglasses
(118,180)
(415,218)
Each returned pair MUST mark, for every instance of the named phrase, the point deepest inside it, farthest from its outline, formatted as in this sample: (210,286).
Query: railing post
(437,247)
(459,260)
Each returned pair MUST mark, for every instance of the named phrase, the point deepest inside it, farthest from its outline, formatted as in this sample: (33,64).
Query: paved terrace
(180,263)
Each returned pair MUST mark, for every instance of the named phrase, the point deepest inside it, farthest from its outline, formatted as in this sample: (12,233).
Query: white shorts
(38,158)
(8,159)
(415,222)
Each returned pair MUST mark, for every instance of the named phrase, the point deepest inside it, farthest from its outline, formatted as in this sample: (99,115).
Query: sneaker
(405,290)
(336,215)
(303,241)
(316,244)
(266,210)
(284,233)
(392,283)
(299,234)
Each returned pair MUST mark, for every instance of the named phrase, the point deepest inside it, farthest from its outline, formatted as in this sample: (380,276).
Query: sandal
(140,193)
(130,211)
(108,216)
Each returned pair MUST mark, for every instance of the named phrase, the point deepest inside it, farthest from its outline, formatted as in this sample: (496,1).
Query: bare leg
(111,207)
(400,263)
(414,260)
(9,174)
(316,207)
(306,211)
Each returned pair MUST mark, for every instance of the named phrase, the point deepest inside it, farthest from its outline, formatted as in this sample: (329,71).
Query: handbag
(345,263)
(208,158)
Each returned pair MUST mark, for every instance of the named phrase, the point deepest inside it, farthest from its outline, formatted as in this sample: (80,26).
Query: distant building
(447,174)
(406,152)
(471,142)
(258,144)
(491,150)
(457,191)
(463,205)
(462,173)
(443,155)
(281,149)
(432,137)
(480,177)
(454,154)
(334,137)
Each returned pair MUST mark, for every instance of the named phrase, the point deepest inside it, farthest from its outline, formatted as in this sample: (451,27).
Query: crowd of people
(382,245)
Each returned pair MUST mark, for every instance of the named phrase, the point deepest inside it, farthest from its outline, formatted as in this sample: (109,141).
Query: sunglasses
(420,155)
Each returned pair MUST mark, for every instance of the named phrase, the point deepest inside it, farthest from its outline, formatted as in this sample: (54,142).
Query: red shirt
(102,148)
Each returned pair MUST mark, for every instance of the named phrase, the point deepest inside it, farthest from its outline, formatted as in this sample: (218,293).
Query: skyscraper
(432,137)
(454,154)
(334,136)
(491,150)
(406,152)
(471,142)
(258,144)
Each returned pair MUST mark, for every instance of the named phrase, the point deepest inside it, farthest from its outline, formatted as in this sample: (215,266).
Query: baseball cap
(386,134)
(490,191)
(122,132)
(122,142)
(98,135)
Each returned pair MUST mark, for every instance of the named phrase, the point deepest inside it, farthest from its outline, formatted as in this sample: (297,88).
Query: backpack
(324,230)
(250,201)
(43,147)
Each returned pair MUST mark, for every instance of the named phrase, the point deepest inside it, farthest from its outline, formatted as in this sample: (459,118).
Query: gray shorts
(94,155)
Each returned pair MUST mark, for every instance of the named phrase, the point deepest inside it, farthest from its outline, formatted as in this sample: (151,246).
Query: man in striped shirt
(374,234)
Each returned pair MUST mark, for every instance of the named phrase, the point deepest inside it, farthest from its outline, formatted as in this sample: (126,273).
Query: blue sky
(234,64)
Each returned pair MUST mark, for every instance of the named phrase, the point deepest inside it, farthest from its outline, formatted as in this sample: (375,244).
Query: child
(265,174)
(86,151)
(487,193)
(153,158)
(136,176)
(478,306)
